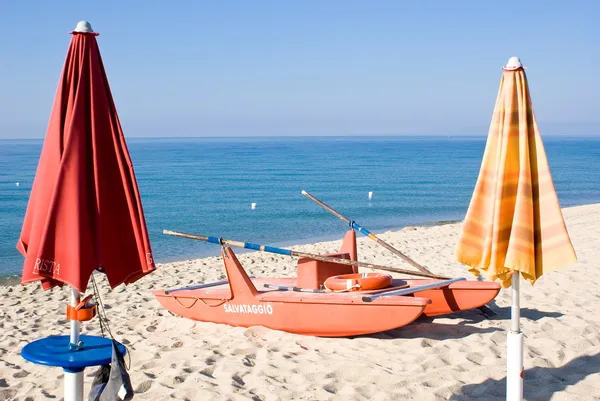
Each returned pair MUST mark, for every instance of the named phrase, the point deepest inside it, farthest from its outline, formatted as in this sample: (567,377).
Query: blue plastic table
(55,351)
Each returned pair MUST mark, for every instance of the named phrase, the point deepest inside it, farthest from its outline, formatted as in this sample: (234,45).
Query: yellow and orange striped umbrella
(514,221)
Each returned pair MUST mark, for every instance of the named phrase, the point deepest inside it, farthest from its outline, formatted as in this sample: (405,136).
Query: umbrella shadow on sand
(540,383)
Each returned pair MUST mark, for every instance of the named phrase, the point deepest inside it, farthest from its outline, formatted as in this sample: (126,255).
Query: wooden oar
(354,225)
(487,312)
(288,252)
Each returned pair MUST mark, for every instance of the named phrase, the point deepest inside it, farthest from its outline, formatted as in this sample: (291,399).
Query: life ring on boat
(358,282)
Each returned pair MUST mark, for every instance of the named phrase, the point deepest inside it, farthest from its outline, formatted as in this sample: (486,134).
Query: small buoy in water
(370,194)
(17,184)
(253,205)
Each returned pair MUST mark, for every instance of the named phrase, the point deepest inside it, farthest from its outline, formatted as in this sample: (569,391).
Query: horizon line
(323,136)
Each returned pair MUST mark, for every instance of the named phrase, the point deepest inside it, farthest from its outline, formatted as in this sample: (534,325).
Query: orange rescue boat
(303,305)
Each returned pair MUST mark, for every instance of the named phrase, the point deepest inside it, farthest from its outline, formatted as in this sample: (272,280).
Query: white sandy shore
(458,357)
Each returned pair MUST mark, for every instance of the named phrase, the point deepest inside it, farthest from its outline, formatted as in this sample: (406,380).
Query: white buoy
(253,206)
(17,184)
(370,194)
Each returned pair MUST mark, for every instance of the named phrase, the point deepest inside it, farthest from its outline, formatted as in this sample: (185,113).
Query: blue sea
(207,185)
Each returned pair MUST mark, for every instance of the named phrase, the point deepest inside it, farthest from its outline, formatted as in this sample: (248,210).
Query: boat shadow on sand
(432,328)
(459,325)
(540,383)
(503,313)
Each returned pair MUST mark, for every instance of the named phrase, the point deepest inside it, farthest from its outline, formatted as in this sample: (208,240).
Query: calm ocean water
(206,186)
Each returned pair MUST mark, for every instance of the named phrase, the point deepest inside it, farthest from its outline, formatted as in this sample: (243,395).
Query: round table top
(55,351)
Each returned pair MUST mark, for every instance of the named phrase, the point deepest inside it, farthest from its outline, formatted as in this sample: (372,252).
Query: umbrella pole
(73,390)
(514,344)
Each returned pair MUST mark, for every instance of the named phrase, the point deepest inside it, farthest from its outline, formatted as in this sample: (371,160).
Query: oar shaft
(394,250)
(366,232)
(326,207)
(288,252)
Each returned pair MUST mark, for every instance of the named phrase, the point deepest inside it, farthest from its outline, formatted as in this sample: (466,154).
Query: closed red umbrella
(84,211)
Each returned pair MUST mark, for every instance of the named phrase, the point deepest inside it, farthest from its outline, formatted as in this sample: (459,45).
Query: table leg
(73,390)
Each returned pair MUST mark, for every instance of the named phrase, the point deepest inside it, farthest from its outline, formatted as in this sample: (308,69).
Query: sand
(456,357)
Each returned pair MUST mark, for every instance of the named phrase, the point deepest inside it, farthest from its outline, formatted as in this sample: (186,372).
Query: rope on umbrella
(104,325)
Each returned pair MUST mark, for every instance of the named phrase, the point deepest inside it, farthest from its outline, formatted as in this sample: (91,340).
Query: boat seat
(313,273)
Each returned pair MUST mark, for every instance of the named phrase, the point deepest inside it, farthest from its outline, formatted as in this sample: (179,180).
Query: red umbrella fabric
(84,210)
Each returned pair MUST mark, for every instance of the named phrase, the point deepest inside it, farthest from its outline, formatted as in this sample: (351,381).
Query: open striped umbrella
(514,225)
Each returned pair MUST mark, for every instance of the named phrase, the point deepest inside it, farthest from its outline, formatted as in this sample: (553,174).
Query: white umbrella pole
(514,343)
(73,390)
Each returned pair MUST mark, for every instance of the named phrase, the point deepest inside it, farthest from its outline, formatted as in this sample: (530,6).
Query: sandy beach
(456,357)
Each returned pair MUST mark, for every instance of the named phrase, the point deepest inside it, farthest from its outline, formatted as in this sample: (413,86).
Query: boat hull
(317,314)
(457,297)
(244,301)
(324,314)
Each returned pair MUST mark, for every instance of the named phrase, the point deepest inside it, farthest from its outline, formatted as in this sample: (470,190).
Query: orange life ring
(358,282)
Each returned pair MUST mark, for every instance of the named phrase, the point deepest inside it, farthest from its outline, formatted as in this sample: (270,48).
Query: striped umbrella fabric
(514,221)
(514,226)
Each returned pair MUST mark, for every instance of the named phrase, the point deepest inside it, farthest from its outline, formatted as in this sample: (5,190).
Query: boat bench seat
(313,273)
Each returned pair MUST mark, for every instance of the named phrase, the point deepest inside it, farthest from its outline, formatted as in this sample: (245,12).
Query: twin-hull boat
(300,304)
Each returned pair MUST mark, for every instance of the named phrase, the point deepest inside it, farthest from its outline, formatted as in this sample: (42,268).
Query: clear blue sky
(327,67)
